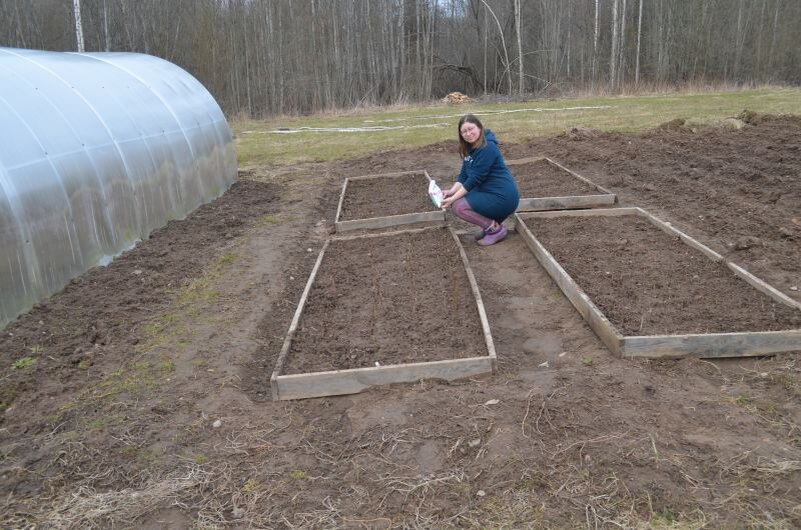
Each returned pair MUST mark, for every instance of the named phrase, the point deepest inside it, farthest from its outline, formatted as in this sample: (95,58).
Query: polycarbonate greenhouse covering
(96,151)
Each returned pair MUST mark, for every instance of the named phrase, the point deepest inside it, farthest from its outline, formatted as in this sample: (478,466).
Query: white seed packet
(435,193)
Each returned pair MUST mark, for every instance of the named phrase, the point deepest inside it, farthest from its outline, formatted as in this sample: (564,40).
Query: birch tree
(596,34)
(507,66)
(613,58)
(521,80)
(265,57)
(639,36)
(76,7)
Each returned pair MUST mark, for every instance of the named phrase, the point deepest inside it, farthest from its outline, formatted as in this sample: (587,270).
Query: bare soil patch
(542,179)
(395,299)
(649,283)
(107,309)
(385,196)
(167,422)
(737,191)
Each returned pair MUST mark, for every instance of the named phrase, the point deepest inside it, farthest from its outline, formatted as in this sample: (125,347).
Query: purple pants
(462,210)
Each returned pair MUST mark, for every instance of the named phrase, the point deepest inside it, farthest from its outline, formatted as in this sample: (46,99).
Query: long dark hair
(464,147)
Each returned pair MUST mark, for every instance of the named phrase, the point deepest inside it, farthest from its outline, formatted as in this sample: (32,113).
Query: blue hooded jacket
(491,189)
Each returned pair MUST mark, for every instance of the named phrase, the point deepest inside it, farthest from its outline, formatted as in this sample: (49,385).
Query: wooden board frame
(709,345)
(354,380)
(437,216)
(603,198)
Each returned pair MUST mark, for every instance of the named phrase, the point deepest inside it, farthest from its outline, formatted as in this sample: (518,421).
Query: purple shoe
(490,238)
(479,235)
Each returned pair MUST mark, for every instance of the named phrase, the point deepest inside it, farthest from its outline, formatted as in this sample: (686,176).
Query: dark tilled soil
(542,179)
(738,191)
(386,196)
(649,283)
(403,298)
(148,405)
(107,310)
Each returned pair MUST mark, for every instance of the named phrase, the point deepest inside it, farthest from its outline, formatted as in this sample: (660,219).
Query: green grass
(297,474)
(256,145)
(140,377)
(191,301)
(24,362)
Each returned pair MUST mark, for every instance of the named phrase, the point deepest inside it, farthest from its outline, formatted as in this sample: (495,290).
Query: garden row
(377,306)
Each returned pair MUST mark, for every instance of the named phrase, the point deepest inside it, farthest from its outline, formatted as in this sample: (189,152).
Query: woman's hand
(453,194)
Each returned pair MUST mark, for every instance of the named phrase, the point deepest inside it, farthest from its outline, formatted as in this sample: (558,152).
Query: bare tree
(621,45)
(76,5)
(639,36)
(613,59)
(507,66)
(521,80)
(595,43)
(262,57)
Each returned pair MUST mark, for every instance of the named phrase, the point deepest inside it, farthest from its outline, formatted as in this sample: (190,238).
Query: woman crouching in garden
(485,193)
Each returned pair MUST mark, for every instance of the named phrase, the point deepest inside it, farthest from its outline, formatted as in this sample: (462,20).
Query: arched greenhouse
(96,151)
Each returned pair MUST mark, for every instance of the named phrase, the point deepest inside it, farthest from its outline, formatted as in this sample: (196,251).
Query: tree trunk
(595,44)
(621,45)
(521,81)
(106,35)
(639,36)
(773,37)
(613,59)
(486,32)
(76,5)
(739,41)
(507,66)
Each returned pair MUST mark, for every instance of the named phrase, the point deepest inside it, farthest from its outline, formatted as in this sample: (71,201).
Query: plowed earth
(541,179)
(647,282)
(369,198)
(139,396)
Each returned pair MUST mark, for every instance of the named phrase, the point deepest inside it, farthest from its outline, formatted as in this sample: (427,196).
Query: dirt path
(146,404)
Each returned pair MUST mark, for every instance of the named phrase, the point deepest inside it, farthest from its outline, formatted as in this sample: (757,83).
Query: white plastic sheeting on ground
(96,151)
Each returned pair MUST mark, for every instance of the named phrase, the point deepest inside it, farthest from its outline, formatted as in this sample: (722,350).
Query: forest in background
(269,57)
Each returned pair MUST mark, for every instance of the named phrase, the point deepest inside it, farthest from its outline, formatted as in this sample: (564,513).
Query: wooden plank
(339,382)
(341,202)
(524,161)
(762,286)
(588,310)
(712,344)
(607,212)
(384,234)
(295,320)
(581,178)
(479,302)
(364,177)
(392,220)
(740,272)
(437,216)
(533,204)
(393,174)
(528,204)
(665,346)
(671,230)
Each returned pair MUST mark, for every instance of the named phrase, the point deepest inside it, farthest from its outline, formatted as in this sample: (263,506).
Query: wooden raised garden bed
(363,203)
(649,290)
(385,308)
(548,185)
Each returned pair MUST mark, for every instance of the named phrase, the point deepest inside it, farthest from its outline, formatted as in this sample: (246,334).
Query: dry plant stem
(543,410)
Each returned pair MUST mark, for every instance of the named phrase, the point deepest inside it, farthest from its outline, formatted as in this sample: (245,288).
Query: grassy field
(258,143)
